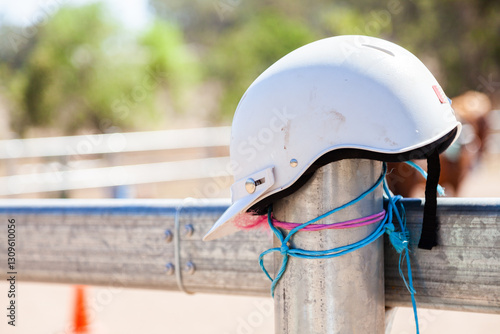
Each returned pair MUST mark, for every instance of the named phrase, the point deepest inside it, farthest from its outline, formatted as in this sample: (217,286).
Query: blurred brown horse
(471,109)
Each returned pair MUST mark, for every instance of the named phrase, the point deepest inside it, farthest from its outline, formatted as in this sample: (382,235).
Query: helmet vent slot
(380,49)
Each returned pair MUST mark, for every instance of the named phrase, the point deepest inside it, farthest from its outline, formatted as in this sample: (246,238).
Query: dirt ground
(47,309)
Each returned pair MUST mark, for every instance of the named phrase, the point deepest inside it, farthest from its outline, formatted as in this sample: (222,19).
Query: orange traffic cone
(80,320)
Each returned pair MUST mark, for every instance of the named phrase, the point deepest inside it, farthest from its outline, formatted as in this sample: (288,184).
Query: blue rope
(419,169)
(399,239)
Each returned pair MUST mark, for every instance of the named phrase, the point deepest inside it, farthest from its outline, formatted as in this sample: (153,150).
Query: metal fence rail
(135,243)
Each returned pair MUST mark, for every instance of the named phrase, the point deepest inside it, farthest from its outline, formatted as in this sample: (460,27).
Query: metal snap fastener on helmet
(294,163)
(250,185)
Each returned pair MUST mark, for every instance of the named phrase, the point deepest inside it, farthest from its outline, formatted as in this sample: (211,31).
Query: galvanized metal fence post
(340,295)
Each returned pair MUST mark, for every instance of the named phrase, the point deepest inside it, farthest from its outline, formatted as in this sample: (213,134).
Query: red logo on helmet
(440,94)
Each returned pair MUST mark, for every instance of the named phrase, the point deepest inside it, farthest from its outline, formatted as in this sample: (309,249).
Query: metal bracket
(177,248)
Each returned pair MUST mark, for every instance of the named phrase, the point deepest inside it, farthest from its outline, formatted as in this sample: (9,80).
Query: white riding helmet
(336,98)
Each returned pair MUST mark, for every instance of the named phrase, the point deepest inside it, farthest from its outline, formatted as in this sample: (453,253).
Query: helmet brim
(223,225)
(242,201)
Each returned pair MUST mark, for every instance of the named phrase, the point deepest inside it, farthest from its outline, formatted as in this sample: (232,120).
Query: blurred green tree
(457,39)
(249,48)
(170,59)
(80,69)
(84,71)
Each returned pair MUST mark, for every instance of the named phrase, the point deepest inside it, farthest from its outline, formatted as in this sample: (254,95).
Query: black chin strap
(428,238)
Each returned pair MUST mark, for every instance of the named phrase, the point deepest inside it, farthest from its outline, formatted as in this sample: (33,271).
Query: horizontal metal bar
(124,242)
(115,143)
(113,176)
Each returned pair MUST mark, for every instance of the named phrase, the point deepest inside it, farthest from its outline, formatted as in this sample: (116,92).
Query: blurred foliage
(170,60)
(249,48)
(461,36)
(80,68)
(84,71)
(457,39)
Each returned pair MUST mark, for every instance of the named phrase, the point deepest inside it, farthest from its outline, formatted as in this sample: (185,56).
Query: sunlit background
(115,99)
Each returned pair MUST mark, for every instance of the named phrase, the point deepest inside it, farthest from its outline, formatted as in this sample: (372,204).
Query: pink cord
(375,218)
